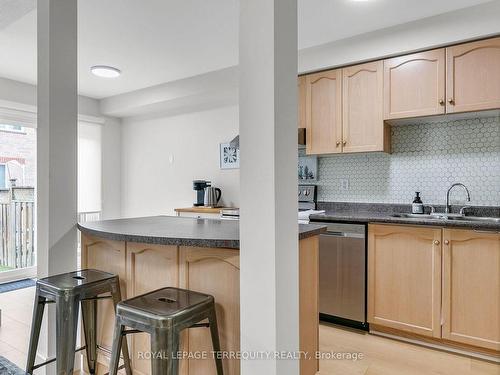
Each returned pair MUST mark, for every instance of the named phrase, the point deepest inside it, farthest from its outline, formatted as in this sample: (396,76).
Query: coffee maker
(199,186)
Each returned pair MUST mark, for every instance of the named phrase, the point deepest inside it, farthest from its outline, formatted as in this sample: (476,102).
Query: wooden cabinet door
(324,112)
(309,303)
(473,76)
(404,278)
(217,272)
(414,85)
(108,256)
(302,101)
(149,267)
(471,288)
(363,121)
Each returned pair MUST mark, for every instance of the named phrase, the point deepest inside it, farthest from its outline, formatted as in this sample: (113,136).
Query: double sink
(444,217)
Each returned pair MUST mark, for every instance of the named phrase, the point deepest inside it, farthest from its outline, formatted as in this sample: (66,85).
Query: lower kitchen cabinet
(144,267)
(404,278)
(215,272)
(108,256)
(447,290)
(149,267)
(471,287)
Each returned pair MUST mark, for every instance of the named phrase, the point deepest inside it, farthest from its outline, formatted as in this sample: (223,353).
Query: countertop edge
(312,232)
(305,231)
(173,241)
(359,218)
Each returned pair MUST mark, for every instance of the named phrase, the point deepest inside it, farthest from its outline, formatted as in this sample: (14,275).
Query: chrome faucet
(448,208)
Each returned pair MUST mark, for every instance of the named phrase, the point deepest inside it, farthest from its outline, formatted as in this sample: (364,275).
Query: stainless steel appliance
(212,196)
(230,214)
(199,186)
(342,274)
(307,197)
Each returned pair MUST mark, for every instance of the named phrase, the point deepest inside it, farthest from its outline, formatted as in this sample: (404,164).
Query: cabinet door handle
(441,101)
(338,143)
(451,101)
(436,242)
(344,143)
(446,242)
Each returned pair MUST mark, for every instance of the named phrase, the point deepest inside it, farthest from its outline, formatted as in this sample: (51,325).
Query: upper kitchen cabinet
(473,76)
(363,121)
(414,85)
(302,101)
(324,112)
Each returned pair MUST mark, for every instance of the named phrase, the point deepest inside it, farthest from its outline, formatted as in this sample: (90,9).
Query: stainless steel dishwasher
(342,275)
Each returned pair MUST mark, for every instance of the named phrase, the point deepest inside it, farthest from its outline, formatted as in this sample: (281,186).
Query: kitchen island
(198,254)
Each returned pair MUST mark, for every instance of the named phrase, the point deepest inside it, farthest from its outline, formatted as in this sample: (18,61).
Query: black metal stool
(164,313)
(67,291)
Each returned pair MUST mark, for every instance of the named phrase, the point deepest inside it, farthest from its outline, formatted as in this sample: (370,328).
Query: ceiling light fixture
(105,71)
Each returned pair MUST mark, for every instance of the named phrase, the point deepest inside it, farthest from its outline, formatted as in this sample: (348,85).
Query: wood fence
(17,227)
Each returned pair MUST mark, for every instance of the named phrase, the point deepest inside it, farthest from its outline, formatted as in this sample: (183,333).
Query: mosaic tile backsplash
(426,158)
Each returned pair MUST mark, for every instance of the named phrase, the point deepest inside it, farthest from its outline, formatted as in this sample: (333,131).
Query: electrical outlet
(344,184)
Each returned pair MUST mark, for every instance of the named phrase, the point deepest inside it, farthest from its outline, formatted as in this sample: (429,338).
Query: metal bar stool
(164,313)
(67,291)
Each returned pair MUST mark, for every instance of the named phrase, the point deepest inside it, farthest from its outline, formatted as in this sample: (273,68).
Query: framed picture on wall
(308,168)
(229,156)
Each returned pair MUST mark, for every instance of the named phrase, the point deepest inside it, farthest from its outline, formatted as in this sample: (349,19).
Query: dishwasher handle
(345,230)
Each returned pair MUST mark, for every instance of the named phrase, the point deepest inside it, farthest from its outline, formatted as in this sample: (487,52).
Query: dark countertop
(180,231)
(379,213)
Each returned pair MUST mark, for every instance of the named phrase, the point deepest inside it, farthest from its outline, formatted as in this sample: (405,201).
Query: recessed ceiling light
(105,71)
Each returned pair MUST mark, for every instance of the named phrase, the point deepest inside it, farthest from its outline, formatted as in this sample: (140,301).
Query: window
(17,214)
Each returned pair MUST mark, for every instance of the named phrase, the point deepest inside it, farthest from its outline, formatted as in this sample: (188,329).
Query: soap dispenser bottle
(417,206)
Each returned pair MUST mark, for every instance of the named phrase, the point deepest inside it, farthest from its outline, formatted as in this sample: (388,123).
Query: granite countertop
(180,231)
(383,213)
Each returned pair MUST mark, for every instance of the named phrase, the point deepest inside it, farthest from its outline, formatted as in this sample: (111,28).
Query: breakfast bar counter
(198,254)
(180,231)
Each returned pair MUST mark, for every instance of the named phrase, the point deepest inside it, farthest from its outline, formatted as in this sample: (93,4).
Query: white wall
(151,184)
(89,167)
(444,29)
(111,168)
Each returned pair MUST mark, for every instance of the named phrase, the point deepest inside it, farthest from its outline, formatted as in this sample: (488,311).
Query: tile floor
(382,356)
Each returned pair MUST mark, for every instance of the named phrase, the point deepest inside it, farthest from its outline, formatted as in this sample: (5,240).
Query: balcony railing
(17,228)
(83,217)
